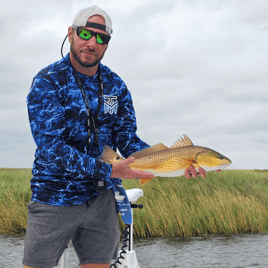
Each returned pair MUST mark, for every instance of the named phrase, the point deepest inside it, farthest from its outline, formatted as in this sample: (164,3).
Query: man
(76,106)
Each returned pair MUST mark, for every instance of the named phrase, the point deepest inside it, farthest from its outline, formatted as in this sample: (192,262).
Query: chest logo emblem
(110,104)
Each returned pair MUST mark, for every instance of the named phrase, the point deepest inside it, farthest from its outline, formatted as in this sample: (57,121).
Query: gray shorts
(93,228)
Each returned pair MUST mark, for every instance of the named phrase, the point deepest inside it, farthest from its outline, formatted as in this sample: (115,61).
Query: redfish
(170,162)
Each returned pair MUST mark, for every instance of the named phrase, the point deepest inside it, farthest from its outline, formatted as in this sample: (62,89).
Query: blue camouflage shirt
(64,165)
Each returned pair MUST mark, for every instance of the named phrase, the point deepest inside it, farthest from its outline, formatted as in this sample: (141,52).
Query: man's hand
(191,172)
(122,170)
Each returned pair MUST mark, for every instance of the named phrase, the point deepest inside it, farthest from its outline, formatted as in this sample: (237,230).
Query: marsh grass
(15,194)
(229,202)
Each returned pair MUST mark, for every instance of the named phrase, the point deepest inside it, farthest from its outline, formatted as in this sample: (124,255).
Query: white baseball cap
(82,16)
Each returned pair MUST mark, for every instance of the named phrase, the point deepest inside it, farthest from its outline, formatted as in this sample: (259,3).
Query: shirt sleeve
(127,140)
(48,126)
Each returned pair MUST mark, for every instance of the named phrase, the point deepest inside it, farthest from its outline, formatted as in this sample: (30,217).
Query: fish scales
(171,162)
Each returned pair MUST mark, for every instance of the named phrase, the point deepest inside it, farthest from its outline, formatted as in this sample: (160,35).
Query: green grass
(228,202)
(15,194)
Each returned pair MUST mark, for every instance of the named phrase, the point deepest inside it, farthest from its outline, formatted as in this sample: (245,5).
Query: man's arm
(48,126)
(125,128)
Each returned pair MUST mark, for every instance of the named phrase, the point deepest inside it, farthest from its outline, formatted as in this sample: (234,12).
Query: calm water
(232,251)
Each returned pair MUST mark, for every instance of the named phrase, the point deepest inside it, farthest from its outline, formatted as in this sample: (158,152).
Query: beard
(83,63)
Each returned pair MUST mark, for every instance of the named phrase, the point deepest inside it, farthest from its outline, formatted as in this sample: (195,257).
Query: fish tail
(109,156)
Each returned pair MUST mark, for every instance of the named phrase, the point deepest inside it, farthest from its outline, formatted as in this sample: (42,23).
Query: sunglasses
(86,34)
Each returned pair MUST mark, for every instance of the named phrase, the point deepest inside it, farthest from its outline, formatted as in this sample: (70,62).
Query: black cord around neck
(90,118)
(63,45)
(92,122)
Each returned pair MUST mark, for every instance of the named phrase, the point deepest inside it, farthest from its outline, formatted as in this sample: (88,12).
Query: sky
(193,67)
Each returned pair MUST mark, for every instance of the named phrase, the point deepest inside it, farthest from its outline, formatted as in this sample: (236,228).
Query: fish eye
(221,157)
(117,158)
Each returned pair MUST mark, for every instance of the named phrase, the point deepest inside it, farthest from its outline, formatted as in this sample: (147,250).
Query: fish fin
(109,156)
(150,150)
(183,142)
(144,181)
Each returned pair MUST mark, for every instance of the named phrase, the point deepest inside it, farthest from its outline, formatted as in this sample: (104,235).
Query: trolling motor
(127,256)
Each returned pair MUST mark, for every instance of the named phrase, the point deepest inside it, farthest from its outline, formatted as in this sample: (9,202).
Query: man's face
(87,53)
